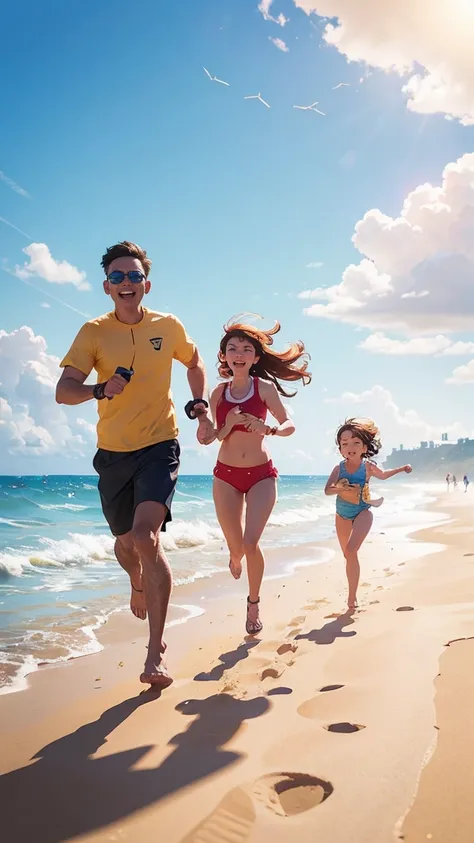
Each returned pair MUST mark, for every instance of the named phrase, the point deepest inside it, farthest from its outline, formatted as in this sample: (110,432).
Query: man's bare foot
(156,674)
(352,603)
(235,568)
(137,597)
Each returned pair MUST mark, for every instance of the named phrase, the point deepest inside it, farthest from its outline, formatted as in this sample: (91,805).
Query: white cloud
(264,8)
(45,304)
(314,265)
(396,426)
(440,345)
(459,348)
(417,269)
(13,185)
(280,44)
(89,428)
(43,265)
(415,295)
(30,420)
(432,41)
(463,374)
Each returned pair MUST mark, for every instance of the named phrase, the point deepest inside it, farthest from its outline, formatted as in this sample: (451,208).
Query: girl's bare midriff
(243,450)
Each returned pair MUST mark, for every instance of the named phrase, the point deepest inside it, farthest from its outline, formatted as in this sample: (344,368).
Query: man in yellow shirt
(132,350)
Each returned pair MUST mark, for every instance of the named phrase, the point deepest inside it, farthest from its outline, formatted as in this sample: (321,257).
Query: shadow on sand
(328,633)
(65,792)
(228,660)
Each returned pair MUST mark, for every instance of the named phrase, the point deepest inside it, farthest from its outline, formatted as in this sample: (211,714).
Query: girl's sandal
(253,627)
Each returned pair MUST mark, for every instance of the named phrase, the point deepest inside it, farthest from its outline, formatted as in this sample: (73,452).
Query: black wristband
(98,391)
(189,407)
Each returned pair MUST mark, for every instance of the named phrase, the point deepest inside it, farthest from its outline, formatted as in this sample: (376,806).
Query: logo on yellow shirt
(156,342)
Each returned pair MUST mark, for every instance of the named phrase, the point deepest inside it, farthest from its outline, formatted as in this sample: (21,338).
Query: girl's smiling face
(240,355)
(352,448)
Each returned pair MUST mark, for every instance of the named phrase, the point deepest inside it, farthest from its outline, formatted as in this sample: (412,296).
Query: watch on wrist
(98,391)
(189,408)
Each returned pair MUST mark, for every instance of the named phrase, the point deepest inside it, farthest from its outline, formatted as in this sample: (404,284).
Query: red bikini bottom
(243,479)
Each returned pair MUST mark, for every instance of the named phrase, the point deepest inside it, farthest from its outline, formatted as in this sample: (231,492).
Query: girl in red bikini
(244,472)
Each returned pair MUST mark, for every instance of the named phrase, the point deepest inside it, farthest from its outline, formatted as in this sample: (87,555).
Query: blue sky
(111,130)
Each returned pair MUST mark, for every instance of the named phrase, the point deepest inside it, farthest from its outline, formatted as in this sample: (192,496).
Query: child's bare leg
(360,528)
(343,531)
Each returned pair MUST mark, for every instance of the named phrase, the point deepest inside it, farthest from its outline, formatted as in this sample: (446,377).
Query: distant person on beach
(465,480)
(448,480)
(132,350)
(244,472)
(358,441)
(455,482)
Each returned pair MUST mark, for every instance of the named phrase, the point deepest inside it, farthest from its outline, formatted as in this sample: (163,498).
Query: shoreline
(185,606)
(77,633)
(379,668)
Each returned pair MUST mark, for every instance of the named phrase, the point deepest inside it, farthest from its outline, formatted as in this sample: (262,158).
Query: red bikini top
(253,405)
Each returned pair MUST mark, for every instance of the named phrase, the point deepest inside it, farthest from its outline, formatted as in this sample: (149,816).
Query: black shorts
(127,478)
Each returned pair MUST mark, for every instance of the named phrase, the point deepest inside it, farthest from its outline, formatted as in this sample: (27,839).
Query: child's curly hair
(289,365)
(364,429)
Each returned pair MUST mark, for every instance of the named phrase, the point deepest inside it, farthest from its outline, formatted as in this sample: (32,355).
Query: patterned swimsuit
(347,510)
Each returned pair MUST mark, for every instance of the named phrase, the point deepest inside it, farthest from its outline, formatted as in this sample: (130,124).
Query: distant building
(436,458)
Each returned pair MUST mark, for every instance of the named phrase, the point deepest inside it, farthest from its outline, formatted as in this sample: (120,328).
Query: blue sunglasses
(135,276)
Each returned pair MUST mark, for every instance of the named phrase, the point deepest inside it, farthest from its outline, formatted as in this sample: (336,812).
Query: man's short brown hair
(126,249)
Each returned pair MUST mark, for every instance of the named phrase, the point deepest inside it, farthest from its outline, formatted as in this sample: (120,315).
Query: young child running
(358,442)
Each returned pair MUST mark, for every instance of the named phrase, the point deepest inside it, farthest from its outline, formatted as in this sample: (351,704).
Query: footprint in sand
(230,822)
(469,554)
(313,604)
(284,794)
(405,609)
(311,709)
(288,794)
(330,688)
(253,665)
(344,728)
(281,691)
(455,640)
(271,673)
(288,647)
(279,647)
(297,621)
(296,624)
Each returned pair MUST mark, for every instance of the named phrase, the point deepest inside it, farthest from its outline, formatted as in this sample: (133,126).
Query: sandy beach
(327,727)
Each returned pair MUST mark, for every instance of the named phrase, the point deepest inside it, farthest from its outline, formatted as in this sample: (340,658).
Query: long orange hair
(272,365)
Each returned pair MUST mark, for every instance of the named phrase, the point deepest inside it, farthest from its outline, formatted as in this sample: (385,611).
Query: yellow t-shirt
(144,413)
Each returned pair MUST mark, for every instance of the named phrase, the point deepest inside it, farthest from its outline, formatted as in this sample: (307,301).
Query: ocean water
(59,580)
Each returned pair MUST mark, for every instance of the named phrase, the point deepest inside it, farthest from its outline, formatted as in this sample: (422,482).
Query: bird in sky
(342,85)
(258,97)
(215,79)
(310,108)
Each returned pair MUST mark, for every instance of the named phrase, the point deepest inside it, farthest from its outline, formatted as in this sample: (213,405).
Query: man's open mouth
(127,295)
